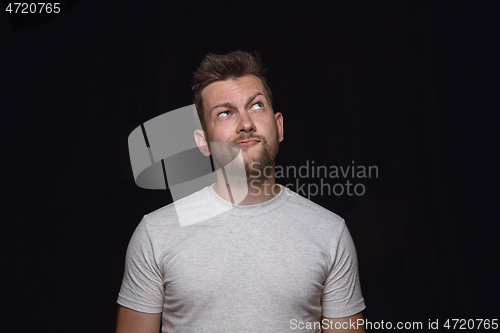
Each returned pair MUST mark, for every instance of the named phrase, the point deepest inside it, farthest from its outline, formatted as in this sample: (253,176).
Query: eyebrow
(231,105)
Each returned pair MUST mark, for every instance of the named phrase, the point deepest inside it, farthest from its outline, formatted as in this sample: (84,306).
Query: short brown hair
(233,65)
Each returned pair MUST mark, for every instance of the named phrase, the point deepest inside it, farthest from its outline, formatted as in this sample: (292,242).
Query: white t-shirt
(256,268)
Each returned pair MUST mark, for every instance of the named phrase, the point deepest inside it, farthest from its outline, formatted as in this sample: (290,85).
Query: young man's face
(237,112)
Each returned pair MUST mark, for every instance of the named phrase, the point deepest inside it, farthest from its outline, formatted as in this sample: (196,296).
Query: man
(268,260)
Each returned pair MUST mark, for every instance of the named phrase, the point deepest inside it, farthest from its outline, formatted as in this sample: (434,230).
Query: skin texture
(130,321)
(237,110)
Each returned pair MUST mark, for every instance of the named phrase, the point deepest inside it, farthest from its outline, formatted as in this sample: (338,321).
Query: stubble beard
(256,168)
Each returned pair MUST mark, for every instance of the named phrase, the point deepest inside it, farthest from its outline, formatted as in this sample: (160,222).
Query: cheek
(220,133)
(273,128)
(211,135)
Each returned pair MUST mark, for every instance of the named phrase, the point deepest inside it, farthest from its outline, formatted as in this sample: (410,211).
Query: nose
(246,124)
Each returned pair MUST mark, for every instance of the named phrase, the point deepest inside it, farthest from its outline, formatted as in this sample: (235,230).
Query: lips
(248,143)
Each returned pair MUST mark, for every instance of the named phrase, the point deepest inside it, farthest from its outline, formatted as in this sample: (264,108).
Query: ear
(279,123)
(200,138)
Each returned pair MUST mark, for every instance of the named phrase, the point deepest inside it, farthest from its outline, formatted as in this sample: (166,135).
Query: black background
(411,87)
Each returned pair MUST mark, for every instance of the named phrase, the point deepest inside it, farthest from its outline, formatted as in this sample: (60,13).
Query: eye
(259,106)
(222,114)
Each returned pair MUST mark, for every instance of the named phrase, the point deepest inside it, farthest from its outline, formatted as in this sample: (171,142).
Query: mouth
(248,143)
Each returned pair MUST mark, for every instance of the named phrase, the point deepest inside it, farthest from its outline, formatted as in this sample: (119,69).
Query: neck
(247,191)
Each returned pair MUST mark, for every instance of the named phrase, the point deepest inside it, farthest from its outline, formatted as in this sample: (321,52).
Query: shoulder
(169,217)
(304,208)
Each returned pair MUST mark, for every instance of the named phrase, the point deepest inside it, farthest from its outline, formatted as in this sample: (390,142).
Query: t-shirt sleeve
(142,286)
(341,295)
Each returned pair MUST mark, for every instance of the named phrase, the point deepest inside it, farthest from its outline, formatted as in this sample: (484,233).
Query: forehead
(234,91)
